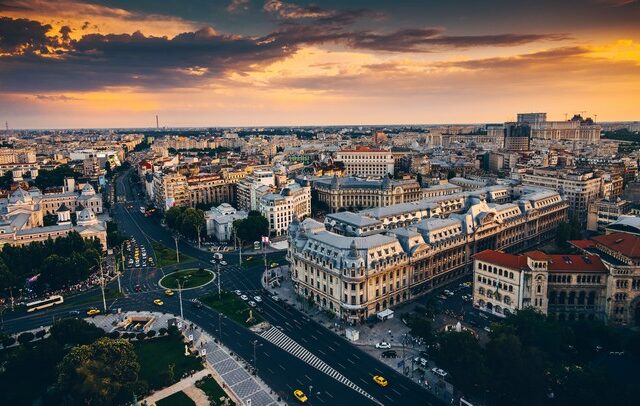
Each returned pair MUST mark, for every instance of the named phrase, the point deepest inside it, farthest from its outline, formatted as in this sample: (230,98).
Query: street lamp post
(218,277)
(176,237)
(180,297)
(104,299)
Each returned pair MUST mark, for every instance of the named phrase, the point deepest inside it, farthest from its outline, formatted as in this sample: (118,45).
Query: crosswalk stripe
(285,342)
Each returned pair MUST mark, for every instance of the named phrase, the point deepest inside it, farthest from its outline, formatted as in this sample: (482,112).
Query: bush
(114,334)
(162,331)
(41,333)
(141,336)
(8,341)
(25,337)
(151,333)
(173,331)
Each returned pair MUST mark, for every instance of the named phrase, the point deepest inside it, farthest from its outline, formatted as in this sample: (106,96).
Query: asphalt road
(282,371)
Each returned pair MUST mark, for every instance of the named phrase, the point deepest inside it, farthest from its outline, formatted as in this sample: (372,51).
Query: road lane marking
(307,376)
(341,366)
(396,392)
(322,352)
(403,387)
(353,362)
(330,395)
(282,367)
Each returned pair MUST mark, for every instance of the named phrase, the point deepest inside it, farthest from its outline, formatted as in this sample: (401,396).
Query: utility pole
(10,289)
(218,266)
(176,237)
(104,299)
(180,298)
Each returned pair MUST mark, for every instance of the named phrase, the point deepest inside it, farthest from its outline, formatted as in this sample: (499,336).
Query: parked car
(257,299)
(252,303)
(448,292)
(389,354)
(237,292)
(383,345)
(223,263)
(440,372)
(244,297)
(275,298)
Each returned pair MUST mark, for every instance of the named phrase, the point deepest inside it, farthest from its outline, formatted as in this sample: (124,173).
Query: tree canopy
(60,262)
(251,228)
(54,177)
(102,373)
(187,221)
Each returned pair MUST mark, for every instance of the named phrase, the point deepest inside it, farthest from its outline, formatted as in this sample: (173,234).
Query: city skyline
(78,64)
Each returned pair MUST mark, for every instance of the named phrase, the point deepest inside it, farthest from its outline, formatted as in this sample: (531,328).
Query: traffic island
(233,307)
(188,278)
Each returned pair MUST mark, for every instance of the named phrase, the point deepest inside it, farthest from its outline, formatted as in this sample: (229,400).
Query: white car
(383,345)
(257,299)
(244,297)
(448,292)
(223,263)
(441,373)
(237,292)
(213,261)
(252,303)
(275,298)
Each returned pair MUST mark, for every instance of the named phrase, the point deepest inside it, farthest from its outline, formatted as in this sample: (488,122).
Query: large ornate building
(601,283)
(354,193)
(22,218)
(359,264)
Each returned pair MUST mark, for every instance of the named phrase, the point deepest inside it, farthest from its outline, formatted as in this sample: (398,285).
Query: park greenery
(188,278)
(531,360)
(59,263)
(78,364)
(233,307)
(166,256)
(54,177)
(187,221)
(252,228)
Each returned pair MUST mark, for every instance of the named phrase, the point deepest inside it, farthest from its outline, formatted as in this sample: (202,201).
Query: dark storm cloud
(23,35)
(96,61)
(38,60)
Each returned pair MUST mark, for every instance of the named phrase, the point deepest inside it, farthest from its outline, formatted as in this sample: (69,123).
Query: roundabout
(188,278)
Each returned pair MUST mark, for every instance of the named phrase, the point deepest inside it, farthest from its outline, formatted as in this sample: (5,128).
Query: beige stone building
(367,162)
(357,265)
(293,201)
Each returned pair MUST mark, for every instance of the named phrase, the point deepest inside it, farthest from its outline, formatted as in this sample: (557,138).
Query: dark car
(389,354)
(137,288)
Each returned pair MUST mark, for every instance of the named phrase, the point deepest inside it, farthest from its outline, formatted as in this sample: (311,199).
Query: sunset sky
(74,63)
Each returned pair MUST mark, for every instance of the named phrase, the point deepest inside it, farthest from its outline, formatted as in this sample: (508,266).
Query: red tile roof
(575,263)
(502,259)
(582,244)
(626,244)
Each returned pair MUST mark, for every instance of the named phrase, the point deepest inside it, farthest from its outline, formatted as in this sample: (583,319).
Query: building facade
(357,267)
(293,201)
(367,162)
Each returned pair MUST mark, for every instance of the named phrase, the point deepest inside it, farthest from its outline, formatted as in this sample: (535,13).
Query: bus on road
(44,303)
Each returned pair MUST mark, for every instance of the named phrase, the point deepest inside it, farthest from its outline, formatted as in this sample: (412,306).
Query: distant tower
(157,123)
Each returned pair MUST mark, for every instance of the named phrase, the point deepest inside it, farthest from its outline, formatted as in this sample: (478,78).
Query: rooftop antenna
(157,123)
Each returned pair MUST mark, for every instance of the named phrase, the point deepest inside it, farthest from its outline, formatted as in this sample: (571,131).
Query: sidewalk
(230,371)
(390,330)
(176,387)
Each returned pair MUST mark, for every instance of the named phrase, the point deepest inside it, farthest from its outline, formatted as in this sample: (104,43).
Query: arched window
(572,298)
(507,300)
(591,299)
(581,297)
(562,298)
(552,297)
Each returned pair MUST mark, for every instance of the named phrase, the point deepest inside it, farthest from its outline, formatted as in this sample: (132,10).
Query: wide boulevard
(282,371)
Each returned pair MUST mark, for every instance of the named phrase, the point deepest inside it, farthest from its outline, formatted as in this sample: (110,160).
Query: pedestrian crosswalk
(280,339)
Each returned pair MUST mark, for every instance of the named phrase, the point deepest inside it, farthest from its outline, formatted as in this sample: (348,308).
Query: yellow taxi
(158,302)
(380,380)
(302,398)
(168,292)
(93,312)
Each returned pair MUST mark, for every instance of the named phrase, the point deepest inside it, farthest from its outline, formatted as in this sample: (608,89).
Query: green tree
(420,327)
(251,228)
(6,180)
(192,223)
(55,177)
(75,331)
(102,373)
(461,356)
(451,174)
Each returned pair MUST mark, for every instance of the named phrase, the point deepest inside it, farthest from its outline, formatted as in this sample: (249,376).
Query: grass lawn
(177,399)
(192,278)
(156,356)
(214,392)
(233,307)
(166,256)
